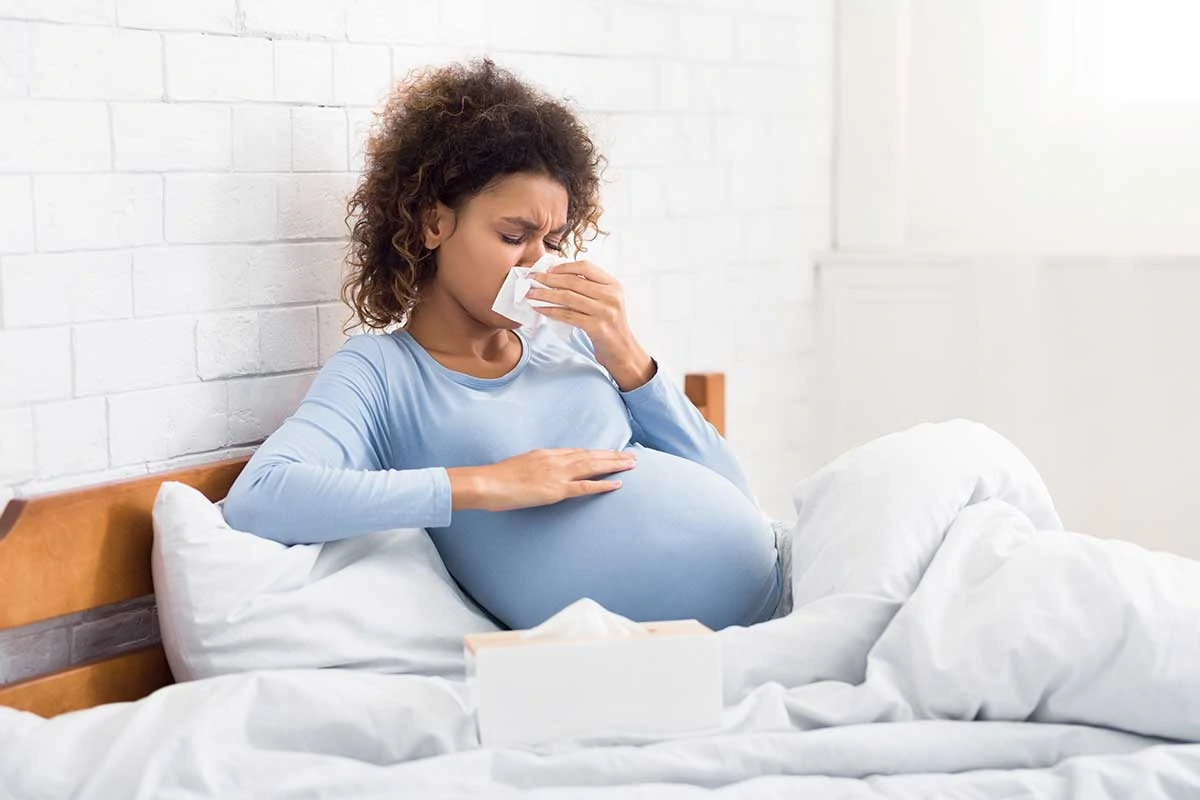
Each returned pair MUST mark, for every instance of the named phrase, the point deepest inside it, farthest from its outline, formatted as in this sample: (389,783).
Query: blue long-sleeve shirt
(368,449)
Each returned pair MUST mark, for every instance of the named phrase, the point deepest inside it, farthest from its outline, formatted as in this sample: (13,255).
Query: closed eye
(557,247)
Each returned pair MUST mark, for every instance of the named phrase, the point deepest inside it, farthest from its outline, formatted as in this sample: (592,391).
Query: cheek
(474,267)
(488,251)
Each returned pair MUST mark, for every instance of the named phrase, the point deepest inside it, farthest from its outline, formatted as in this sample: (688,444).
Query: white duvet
(949,639)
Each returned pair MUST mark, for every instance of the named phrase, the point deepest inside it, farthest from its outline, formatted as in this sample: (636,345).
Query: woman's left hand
(593,301)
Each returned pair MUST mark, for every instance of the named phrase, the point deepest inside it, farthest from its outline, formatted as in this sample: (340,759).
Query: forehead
(538,197)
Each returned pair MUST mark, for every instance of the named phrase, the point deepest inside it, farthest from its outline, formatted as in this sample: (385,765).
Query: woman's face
(513,222)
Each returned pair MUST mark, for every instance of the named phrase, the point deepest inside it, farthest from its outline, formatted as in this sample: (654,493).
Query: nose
(533,253)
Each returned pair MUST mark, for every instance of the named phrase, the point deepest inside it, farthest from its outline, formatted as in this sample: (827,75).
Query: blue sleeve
(663,418)
(323,475)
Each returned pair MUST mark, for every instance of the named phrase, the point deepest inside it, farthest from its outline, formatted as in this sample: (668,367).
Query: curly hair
(443,135)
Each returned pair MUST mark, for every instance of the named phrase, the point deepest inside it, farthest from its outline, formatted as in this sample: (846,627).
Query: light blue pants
(783,544)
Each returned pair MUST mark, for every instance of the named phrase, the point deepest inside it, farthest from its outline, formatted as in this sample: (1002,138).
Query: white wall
(172,179)
(1029,125)
(1017,240)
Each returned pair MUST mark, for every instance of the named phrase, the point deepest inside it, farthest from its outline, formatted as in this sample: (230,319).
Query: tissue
(585,619)
(511,300)
(589,674)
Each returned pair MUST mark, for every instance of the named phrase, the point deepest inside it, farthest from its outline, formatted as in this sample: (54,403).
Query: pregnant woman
(545,470)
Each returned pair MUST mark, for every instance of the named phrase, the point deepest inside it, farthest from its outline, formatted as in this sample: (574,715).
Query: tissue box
(531,691)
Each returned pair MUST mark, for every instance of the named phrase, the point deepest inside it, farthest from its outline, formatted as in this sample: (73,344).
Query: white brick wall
(227,345)
(36,365)
(303,72)
(173,180)
(97,12)
(314,206)
(359,122)
(218,16)
(103,211)
(174,280)
(17,458)
(175,136)
(319,139)
(72,436)
(326,18)
(157,424)
(388,21)
(287,339)
(133,354)
(262,138)
(258,406)
(203,67)
(54,136)
(52,289)
(16,208)
(331,320)
(104,63)
(361,73)
(237,343)
(220,208)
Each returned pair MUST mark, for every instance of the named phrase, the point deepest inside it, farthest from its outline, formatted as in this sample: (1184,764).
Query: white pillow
(230,601)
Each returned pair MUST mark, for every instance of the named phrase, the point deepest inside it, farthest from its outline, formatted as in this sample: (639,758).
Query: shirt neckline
(463,378)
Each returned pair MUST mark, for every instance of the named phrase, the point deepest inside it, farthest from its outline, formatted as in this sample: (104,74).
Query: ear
(439,225)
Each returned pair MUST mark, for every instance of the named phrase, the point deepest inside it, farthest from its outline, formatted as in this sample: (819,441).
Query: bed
(949,639)
(89,548)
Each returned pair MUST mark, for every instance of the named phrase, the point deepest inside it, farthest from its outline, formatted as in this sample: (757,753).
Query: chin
(500,322)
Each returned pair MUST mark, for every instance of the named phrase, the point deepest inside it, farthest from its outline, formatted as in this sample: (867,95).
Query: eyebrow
(532,226)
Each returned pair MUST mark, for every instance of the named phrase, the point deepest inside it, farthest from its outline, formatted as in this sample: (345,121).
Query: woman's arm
(663,418)
(592,301)
(323,475)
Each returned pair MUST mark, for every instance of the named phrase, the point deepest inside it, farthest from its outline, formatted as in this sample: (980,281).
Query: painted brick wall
(172,183)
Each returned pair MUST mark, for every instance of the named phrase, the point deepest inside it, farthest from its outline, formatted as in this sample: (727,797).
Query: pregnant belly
(676,541)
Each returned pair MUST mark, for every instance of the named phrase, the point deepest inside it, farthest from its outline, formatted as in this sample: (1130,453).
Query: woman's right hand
(536,478)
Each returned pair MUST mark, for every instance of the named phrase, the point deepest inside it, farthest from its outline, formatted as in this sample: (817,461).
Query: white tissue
(585,619)
(511,300)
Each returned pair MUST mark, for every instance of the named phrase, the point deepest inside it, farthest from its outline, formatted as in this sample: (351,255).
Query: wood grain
(706,390)
(79,549)
(129,676)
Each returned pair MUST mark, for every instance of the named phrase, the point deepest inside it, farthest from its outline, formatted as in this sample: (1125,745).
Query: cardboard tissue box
(587,672)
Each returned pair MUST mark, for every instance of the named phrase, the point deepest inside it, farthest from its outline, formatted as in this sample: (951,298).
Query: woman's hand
(593,301)
(536,478)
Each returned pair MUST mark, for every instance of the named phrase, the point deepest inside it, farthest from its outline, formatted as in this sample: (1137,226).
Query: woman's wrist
(467,488)
(634,372)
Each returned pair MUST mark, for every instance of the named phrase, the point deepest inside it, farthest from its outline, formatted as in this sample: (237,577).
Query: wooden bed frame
(82,549)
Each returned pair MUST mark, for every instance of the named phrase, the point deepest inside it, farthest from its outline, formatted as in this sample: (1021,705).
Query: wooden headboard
(78,550)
